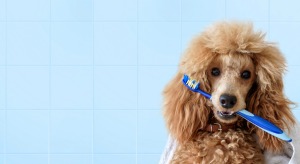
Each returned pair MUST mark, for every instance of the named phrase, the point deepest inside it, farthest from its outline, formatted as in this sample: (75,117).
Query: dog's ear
(185,111)
(266,98)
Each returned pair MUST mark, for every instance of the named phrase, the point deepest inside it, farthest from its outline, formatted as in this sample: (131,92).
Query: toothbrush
(263,124)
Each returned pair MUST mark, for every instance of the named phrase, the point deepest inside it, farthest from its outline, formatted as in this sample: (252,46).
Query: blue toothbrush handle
(264,125)
(254,119)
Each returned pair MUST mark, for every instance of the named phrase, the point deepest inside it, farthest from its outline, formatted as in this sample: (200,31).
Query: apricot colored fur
(187,113)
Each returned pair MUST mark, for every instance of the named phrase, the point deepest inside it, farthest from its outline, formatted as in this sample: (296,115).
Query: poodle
(242,71)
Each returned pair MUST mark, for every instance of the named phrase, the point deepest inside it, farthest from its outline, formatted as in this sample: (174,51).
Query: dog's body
(233,146)
(241,71)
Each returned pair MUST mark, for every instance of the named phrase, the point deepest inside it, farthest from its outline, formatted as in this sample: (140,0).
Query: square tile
(71,159)
(297,114)
(121,158)
(115,43)
(2,10)
(2,87)
(202,10)
(291,82)
(27,131)
(152,80)
(115,131)
(159,43)
(28,43)
(72,87)
(115,10)
(255,10)
(28,87)
(26,159)
(2,43)
(150,122)
(156,10)
(72,43)
(284,11)
(115,87)
(71,131)
(148,158)
(72,10)
(30,10)
(2,131)
(287,35)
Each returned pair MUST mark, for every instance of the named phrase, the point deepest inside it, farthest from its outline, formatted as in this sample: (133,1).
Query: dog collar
(217,127)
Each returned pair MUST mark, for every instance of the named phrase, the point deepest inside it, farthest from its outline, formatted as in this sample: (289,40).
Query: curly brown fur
(230,147)
(223,44)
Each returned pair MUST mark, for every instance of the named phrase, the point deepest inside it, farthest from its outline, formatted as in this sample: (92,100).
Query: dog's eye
(215,72)
(246,74)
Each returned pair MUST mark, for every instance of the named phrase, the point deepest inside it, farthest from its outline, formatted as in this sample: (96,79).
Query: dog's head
(240,70)
(230,77)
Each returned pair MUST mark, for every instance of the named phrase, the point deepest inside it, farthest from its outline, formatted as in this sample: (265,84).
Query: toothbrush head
(190,83)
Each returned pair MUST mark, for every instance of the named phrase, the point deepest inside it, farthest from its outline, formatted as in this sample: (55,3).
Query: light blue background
(81,80)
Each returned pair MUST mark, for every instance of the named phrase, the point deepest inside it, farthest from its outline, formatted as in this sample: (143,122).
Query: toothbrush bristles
(192,83)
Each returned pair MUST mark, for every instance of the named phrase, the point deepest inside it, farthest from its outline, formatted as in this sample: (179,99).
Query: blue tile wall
(71,131)
(72,43)
(148,158)
(255,10)
(27,131)
(190,30)
(22,52)
(151,134)
(27,87)
(2,131)
(115,158)
(2,160)
(156,10)
(109,11)
(109,34)
(115,131)
(70,10)
(71,87)
(31,10)
(2,87)
(163,51)
(291,81)
(287,35)
(2,43)
(112,93)
(71,159)
(281,11)
(203,10)
(28,158)
(2,10)
(152,80)
(81,81)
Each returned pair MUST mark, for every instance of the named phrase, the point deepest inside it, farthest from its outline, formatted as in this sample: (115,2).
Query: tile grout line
(269,11)
(90,65)
(137,79)
(180,10)
(225,10)
(50,68)
(155,21)
(79,154)
(5,84)
(93,119)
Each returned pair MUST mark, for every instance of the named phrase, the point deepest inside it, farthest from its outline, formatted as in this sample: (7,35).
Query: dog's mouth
(226,115)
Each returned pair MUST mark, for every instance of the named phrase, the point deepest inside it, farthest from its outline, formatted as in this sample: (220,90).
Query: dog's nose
(227,101)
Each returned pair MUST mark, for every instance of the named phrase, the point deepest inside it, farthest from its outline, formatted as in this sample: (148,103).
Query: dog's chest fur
(231,147)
